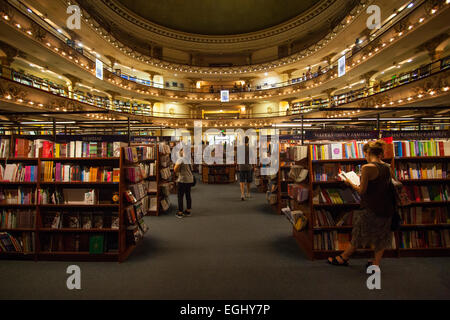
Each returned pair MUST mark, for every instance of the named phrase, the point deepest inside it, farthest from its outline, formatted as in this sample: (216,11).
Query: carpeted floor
(228,249)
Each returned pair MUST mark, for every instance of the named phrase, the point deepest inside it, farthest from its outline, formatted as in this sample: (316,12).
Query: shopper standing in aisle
(184,182)
(373,226)
(245,172)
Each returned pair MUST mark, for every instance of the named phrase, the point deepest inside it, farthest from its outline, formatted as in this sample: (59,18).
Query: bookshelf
(62,226)
(415,238)
(218,173)
(166,176)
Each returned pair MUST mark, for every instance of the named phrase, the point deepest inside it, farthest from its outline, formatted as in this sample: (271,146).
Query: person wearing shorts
(245,173)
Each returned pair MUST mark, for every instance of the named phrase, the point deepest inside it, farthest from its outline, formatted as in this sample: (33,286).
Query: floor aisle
(228,249)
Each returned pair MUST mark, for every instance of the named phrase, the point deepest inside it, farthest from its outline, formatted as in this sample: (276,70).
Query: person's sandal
(335,262)
(187,213)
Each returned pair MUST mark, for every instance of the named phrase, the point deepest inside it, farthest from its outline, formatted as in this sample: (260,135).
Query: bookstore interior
(98,97)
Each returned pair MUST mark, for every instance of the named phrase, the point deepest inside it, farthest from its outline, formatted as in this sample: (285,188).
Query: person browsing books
(373,226)
(245,172)
(184,182)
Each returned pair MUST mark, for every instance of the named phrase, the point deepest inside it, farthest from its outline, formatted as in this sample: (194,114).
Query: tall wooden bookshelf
(305,238)
(219,173)
(114,243)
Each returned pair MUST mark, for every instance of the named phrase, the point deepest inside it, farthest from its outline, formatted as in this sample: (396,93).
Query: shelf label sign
(225,96)
(99,69)
(341,66)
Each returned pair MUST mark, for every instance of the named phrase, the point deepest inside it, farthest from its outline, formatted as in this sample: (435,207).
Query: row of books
(137,191)
(80,220)
(416,148)
(74,149)
(297,153)
(4,148)
(331,240)
(330,171)
(425,215)
(423,239)
(325,218)
(79,242)
(298,192)
(12,219)
(18,243)
(18,195)
(336,196)
(427,193)
(67,196)
(341,150)
(18,172)
(60,172)
(141,172)
(136,154)
(436,170)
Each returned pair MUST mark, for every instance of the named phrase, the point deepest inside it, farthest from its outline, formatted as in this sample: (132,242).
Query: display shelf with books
(165,177)
(66,208)
(422,167)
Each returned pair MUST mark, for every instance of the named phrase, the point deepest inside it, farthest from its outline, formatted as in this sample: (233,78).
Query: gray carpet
(228,249)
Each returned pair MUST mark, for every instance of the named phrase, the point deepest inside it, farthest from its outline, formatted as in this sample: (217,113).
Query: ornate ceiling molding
(98,25)
(166,32)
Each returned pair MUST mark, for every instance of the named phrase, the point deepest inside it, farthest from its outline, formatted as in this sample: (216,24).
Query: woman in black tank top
(373,226)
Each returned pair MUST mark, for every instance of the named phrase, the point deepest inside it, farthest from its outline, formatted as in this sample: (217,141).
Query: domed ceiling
(218,17)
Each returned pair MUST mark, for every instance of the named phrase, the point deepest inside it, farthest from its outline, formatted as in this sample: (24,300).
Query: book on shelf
(18,172)
(96,243)
(23,242)
(296,217)
(297,153)
(426,170)
(350,176)
(140,172)
(424,239)
(12,219)
(426,148)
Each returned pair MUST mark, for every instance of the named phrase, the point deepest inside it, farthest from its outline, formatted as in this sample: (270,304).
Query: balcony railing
(312,105)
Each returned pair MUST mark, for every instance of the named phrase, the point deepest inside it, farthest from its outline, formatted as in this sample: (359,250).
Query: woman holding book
(184,183)
(373,227)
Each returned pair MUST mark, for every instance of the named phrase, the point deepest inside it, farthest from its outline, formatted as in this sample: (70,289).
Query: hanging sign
(417,135)
(340,135)
(341,66)
(225,96)
(99,69)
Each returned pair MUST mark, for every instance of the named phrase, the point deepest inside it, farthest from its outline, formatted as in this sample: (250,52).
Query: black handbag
(396,221)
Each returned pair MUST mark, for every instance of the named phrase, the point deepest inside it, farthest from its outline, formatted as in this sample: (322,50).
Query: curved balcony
(417,86)
(386,39)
